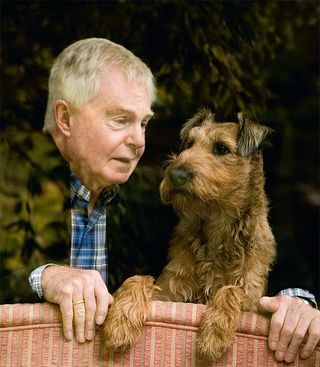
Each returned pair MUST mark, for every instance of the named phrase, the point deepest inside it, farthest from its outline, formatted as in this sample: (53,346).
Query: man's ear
(62,116)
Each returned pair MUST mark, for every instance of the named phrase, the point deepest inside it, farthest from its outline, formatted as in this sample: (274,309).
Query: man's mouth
(123,160)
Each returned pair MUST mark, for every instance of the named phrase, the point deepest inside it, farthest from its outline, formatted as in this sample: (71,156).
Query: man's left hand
(292,322)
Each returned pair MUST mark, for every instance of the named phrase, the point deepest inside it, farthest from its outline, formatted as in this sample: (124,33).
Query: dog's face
(215,164)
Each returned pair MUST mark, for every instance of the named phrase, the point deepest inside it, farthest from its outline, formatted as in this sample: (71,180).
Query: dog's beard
(184,202)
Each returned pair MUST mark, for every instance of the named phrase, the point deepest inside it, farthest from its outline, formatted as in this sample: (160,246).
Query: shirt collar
(77,189)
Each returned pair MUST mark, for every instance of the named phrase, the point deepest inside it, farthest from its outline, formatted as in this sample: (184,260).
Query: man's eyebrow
(119,111)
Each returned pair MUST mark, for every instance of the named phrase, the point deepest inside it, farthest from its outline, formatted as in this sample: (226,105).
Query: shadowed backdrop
(258,57)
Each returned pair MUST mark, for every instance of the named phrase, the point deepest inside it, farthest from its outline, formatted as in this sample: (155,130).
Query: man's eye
(220,149)
(118,122)
(121,121)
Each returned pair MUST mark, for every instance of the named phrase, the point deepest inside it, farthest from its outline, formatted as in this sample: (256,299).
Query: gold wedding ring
(77,303)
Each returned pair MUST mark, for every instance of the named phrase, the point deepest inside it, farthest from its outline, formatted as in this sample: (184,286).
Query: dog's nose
(179,176)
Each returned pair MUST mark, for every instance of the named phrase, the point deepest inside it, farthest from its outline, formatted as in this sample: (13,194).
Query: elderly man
(99,105)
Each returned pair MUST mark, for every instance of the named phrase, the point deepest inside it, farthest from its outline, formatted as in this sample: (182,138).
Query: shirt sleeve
(35,280)
(301,293)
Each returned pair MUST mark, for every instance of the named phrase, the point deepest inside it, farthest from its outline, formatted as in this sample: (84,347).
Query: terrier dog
(222,248)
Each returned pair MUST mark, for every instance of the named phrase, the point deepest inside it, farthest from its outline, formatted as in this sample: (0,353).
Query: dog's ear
(197,120)
(252,135)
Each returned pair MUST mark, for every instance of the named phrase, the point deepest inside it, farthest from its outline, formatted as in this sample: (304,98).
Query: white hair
(74,76)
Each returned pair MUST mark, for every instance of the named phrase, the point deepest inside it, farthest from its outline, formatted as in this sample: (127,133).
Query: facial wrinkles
(117,90)
(136,110)
(116,95)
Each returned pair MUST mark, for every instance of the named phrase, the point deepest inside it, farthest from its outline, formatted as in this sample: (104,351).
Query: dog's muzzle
(179,176)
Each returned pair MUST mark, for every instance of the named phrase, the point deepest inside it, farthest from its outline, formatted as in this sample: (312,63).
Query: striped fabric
(31,335)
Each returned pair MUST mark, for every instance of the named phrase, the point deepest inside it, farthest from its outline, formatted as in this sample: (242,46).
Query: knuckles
(96,276)
(314,328)
(277,323)
(68,314)
(91,308)
(287,331)
(299,336)
(287,300)
(79,279)
(67,289)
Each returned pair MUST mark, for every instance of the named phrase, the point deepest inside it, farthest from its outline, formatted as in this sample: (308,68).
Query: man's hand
(82,296)
(292,322)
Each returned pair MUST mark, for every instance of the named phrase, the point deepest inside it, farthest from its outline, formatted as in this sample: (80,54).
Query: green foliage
(225,55)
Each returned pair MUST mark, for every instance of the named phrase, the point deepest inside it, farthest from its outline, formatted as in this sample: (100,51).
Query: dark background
(257,57)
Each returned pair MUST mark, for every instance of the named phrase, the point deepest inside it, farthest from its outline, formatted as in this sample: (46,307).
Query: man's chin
(116,176)
(120,178)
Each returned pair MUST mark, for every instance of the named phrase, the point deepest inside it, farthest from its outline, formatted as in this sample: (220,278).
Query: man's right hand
(82,296)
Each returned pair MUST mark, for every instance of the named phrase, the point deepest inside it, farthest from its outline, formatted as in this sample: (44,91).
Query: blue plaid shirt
(88,234)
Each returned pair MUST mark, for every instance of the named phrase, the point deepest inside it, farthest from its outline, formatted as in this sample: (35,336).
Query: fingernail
(304,355)
(81,338)
(69,335)
(273,345)
(280,356)
(100,320)
(90,335)
(289,358)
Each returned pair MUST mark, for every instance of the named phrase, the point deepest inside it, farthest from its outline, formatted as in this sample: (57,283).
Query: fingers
(291,324)
(90,309)
(313,336)
(104,299)
(277,321)
(67,317)
(79,310)
(297,338)
(291,335)
(268,304)
(83,298)
(96,301)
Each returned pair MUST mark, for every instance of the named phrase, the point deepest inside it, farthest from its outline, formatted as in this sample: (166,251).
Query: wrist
(35,280)
(47,274)
(301,294)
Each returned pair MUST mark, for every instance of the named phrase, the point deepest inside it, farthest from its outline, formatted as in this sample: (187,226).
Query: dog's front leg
(178,280)
(128,313)
(220,321)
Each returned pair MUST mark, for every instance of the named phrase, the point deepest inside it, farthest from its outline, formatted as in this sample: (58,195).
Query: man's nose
(136,137)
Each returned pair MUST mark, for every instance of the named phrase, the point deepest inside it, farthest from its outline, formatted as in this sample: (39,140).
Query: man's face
(107,135)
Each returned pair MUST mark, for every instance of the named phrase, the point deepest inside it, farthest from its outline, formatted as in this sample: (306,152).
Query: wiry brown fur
(222,249)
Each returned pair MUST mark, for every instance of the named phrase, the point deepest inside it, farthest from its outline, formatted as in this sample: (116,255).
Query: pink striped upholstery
(31,335)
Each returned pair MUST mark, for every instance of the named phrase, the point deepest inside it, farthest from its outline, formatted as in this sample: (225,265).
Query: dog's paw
(214,340)
(128,313)
(121,332)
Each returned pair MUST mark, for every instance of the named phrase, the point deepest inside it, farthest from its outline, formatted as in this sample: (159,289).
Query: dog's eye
(220,149)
